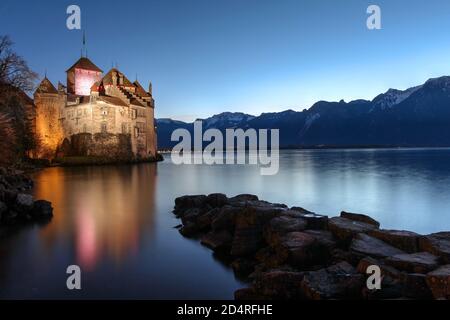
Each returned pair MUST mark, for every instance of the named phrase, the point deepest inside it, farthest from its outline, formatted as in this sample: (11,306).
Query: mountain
(418,116)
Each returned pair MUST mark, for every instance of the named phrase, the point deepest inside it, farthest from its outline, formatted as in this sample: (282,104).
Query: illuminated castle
(94,115)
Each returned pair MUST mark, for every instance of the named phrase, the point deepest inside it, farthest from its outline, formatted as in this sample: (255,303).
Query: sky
(204,57)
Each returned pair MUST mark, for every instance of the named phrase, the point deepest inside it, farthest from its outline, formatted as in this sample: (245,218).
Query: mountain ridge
(417,116)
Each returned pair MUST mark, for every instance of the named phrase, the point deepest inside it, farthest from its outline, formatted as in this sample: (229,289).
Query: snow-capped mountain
(392,97)
(229,119)
(418,116)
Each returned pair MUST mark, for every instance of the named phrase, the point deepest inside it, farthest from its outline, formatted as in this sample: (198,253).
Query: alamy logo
(74,280)
(74,19)
(236,151)
(374,280)
(374,20)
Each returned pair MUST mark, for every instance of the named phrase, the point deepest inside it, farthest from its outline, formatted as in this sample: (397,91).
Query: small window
(104,127)
(136,132)
(133,114)
(124,128)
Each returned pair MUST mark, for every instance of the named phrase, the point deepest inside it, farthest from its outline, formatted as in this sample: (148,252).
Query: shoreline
(17,206)
(292,253)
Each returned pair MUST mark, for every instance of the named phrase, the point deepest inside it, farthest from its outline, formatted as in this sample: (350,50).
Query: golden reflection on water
(101,211)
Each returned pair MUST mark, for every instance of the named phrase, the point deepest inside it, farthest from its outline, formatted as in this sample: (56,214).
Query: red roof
(86,64)
(46,87)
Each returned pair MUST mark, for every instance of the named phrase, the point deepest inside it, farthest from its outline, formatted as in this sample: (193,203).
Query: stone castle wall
(115,147)
(48,129)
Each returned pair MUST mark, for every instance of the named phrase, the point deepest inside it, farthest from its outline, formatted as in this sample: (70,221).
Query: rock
(248,294)
(325,238)
(42,209)
(3,209)
(217,241)
(340,281)
(363,245)
(345,229)
(313,221)
(361,218)
(405,240)
(242,267)
(204,221)
(224,220)
(386,270)
(243,198)
(422,262)
(10,197)
(279,284)
(190,215)
(217,200)
(189,230)
(247,240)
(268,257)
(24,203)
(187,202)
(437,244)
(249,225)
(301,250)
(279,226)
(415,286)
(439,282)
(390,289)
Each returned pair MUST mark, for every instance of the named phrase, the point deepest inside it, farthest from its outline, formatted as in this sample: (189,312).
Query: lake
(115,222)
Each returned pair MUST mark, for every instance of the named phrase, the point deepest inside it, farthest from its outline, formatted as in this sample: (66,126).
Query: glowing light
(84,79)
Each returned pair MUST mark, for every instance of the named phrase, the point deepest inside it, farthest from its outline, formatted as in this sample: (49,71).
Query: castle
(94,115)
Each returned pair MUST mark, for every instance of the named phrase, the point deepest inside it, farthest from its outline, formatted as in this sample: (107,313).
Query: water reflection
(102,210)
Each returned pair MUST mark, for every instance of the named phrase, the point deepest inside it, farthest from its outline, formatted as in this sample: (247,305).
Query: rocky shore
(292,253)
(17,206)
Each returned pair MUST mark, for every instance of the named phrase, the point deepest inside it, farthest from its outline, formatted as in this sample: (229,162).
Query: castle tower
(49,103)
(81,76)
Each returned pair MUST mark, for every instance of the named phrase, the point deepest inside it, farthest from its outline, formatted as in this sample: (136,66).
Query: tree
(14,70)
(16,78)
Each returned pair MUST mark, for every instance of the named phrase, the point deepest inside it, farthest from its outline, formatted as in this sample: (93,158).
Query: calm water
(115,222)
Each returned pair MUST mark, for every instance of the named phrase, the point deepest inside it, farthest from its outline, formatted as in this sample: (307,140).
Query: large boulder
(323,237)
(225,219)
(249,225)
(360,217)
(387,271)
(313,220)
(302,250)
(247,240)
(217,241)
(405,240)
(42,209)
(421,262)
(363,245)
(340,281)
(279,284)
(3,209)
(187,202)
(345,229)
(216,200)
(415,286)
(439,282)
(437,244)
(281,225)
(24,203)
(242,198)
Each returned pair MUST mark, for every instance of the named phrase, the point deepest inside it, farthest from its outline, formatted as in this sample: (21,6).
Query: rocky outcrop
(292,253)
(17,206)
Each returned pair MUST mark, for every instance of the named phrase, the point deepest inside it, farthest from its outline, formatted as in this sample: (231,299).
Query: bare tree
(14,70)
(16,78)
(8,140)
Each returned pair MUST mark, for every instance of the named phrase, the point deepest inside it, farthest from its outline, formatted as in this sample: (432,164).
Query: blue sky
(253,56)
